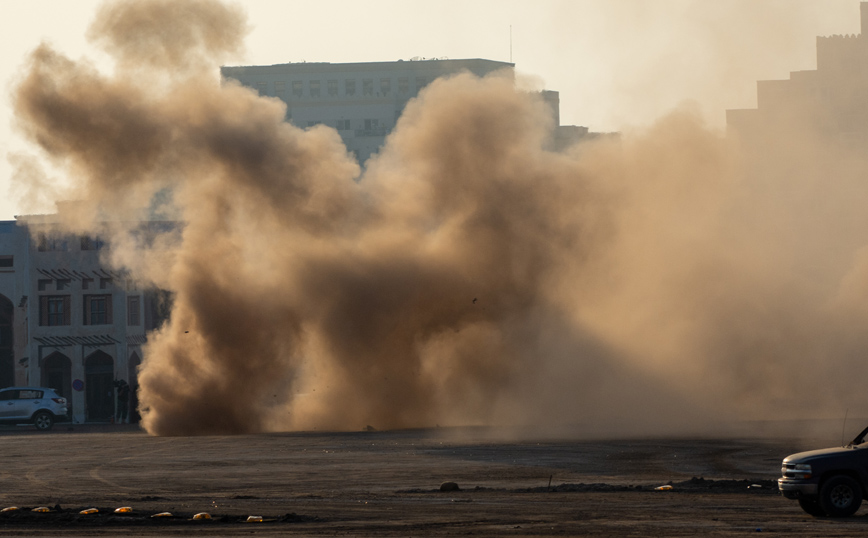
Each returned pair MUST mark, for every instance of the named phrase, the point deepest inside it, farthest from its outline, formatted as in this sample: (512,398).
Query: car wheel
(812,507)
(43,421)
(840,496)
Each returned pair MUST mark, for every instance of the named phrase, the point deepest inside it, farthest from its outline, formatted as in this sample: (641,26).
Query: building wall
(13,287)
(82,348)
(363,101)
(828,100)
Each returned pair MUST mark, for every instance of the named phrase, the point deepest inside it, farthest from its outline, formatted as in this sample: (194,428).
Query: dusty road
(387,484)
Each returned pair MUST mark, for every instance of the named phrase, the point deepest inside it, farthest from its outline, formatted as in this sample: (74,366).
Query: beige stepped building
(829,100)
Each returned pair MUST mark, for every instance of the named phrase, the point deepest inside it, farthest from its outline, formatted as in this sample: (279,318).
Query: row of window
(61,284)
(332,87)
(56,310)
(54,243)
(346,125)
(143,236)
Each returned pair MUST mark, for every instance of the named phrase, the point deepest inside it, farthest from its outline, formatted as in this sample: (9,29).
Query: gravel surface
(389,484)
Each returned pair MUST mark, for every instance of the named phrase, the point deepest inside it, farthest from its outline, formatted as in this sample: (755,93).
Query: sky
(618,64)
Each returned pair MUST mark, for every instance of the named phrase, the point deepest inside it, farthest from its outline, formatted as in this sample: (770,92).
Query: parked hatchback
(39,406)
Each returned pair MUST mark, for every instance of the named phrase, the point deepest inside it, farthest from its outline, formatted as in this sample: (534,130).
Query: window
(403,85)
(105,283)
(368,86)
(385,86)
(332,88)
(6,261)
(86,283)
(49,243)
(92,243)
(350,86)
(297,88)
(97,309)
(421,82)
(133,308)
(43,284)
(372,125)
(262,87)
(312,123)
(279,88)
(343,125)
(54,310)
(29,394)
(62,284)
(314,88)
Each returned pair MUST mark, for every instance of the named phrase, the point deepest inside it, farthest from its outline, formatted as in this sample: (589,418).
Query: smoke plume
(470,275)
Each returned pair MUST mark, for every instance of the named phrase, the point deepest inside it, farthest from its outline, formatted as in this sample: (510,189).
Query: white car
(39,406)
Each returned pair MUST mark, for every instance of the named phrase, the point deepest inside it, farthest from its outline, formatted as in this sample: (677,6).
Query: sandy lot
(388,484)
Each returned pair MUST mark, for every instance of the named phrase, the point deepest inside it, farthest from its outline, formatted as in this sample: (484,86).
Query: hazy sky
(616,63)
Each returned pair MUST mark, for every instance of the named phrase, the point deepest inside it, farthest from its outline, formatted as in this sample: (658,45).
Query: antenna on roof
(510,43)
(844,427)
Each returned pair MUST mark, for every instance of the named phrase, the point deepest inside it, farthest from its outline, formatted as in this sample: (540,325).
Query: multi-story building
(67,321)
(363,101)
(829,100)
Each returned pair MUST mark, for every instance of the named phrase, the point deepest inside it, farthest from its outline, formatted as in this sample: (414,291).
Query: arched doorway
(7,350)
(134,363)
(99,387)
(57,374)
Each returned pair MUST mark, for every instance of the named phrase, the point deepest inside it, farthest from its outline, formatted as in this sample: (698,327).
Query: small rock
(449,486)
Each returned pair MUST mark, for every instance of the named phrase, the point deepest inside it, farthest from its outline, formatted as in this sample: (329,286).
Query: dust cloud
(666,280)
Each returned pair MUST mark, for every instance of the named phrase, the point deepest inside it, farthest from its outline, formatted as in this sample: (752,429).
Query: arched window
(57,374)
(7,350)
(99,387)
(134,363)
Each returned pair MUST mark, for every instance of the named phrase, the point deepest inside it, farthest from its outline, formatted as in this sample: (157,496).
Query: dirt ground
(388,484)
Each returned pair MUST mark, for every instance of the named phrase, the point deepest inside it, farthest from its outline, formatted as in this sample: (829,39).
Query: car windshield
(859,438)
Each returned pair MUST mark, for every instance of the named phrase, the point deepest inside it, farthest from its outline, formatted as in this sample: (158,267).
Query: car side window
(30,395)
(8,395)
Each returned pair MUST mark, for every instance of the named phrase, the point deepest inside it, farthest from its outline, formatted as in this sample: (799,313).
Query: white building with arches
(66,320)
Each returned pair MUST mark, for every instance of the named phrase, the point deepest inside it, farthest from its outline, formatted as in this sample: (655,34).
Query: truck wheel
(812,507)
(840,496)
(43,421)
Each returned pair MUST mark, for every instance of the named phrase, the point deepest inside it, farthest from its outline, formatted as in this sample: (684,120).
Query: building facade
(829,100)
(363,101)
(66,321)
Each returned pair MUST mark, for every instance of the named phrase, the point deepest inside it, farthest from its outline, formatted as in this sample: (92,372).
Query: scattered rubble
(107,517)
(694,484)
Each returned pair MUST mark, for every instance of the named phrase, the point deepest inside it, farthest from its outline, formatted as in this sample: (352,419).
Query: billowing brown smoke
(470,276)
